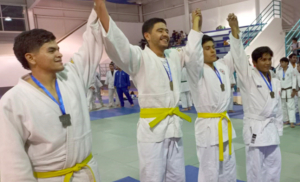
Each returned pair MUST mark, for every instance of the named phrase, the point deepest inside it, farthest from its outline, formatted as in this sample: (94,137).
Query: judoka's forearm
(102,13)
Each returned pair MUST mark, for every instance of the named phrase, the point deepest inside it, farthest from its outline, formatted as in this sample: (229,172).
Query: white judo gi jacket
(150,78)
(32,137)
(208,96)
(263,115)
(110,79)
(290,80)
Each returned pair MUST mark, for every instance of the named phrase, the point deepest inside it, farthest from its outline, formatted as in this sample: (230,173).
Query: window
(12,18)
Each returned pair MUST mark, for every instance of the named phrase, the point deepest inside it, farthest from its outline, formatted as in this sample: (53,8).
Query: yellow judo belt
(220,131)
(68,173)
(161,113)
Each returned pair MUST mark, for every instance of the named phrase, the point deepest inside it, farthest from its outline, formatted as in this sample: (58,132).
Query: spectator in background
(122,84)
(110,81)
(182,37)
(294,46)
(173,39)
(174,35)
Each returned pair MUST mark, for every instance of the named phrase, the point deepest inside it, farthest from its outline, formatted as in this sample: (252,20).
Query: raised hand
(99,1)
(197,20)
(234,24)
(102,13)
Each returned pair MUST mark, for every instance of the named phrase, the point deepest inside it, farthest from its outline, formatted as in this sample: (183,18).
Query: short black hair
(149,24)
(284,59)
(206,38)
(295,39)
(292,55)
(260,51)
(30,41)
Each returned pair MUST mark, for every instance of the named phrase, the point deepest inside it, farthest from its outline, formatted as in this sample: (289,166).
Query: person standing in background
(185,96)
(287,77)
(122,84)
(110,81)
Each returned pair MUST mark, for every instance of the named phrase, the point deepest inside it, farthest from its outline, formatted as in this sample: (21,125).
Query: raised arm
(117,46)
(240,60)
(86,60)
(192,54)
(14,161)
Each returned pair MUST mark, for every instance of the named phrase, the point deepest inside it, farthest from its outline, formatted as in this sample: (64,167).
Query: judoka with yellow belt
(210,84)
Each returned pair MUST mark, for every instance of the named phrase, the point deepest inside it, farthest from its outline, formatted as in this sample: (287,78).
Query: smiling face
(209,52)
(158,37)
(264,63)
(47,58)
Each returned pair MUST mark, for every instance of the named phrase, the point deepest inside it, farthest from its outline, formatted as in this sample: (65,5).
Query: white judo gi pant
(111,93)
(186,99)
(211,169)
(263,163)
(296,104)
(162,161)
(288,110)
(97,94)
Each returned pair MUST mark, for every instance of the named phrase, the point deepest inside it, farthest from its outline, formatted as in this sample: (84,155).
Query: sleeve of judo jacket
(240,60)
(118,48)
(195,61)
(279,115)
(87,58)
(193,51)
(15,165)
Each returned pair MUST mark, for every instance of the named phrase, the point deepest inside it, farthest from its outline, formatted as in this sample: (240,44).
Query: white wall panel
(12,70)
(273,37)
(55,25)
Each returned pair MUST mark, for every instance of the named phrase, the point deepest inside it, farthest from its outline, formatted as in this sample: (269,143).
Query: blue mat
(116,111)
(191,175)
(127,179)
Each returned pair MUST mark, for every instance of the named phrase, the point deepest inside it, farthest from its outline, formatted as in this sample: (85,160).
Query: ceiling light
(8,19)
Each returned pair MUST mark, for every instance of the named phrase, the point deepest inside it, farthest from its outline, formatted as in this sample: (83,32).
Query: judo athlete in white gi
(287,77)
(262,115)
(96,93)
(185,96)
(156,72)
(210,84)
(293,63)
(110,80)
(45,132)
(233,83)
